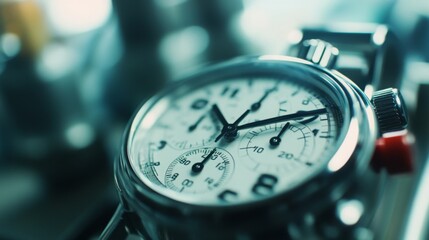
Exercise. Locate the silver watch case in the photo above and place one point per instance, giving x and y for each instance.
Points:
(297, 213)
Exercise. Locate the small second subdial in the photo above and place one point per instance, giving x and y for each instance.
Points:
(199, 170)
(277, 147)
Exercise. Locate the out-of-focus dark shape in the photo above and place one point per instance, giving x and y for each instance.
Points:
(160, 39)
(49, 129)
(417, 217)
(51, 147)
(420, 37)
(139, 72)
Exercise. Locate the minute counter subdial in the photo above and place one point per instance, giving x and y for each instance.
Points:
(186, 174)
(264, 151)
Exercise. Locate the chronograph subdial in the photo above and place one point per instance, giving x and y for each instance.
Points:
(186, 175)
(292, 149)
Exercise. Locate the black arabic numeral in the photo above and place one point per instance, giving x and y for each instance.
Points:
(174, 176)
(231, 92)
(184, 161)
(285, 155)
(227, 195)
(162, 144)
(209, 180)
(199, 104)
(187, 183)
(257, 149)
(213, 156)
(152, 164)
(265, 184)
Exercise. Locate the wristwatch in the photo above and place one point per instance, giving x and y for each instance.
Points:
(266, 147)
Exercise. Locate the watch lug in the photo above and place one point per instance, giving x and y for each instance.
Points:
(319, 52)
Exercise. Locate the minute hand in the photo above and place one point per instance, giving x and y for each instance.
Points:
(299, 114)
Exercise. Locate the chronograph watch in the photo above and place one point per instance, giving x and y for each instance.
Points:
(255, 148)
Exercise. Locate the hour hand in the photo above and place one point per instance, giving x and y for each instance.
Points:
(219, 115)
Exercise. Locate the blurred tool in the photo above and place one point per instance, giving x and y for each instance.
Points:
(160, 40)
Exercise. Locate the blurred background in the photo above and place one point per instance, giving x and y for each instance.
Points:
(72, 72)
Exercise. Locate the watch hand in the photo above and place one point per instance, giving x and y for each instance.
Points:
(198, 167)
(241, 117)
(299, 114)
(275, 141)
(255, 106)
(195, 125)
(219, 114)
(230, 130)
(309, 120)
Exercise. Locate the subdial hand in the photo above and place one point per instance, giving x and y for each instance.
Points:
(195, 125)
(255, 106)
(198, 167)
(275, 141)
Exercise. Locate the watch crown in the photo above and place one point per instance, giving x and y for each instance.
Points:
(390, 110)
(319, 52)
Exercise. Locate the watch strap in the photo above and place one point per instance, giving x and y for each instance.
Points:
(116, 228)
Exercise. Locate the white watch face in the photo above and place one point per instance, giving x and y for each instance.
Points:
(237, 139)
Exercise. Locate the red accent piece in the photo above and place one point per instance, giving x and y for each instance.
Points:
(393, 153)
